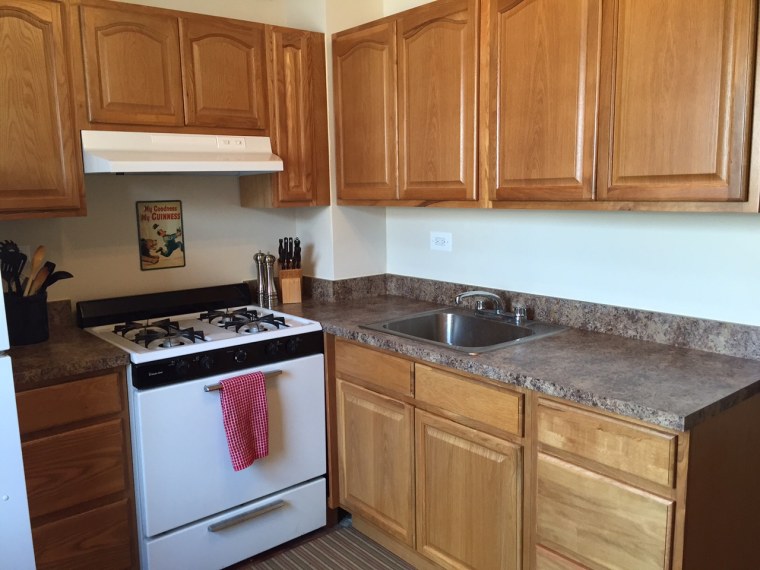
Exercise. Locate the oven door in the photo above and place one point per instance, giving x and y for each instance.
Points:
(182, 463)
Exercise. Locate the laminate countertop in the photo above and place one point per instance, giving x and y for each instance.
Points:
(69, 352)
(672, 387)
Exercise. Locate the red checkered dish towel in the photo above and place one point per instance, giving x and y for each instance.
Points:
(246, 418)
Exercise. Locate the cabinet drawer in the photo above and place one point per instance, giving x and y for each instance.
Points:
(74, 467)
(383, 370)
(601, 520)
(64, 404)
(630, 448)
(496, 407)
(100, 538)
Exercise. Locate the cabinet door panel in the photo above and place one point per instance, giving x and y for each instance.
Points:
(364, 67)
(437, 75)
(132, 67)
(612, 525)
(544, 67)
(225, 74)
(40, 162)
(677, 77)
(299, 117)
(375, 449)
(468, 496)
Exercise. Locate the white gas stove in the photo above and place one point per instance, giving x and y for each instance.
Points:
(193, 510)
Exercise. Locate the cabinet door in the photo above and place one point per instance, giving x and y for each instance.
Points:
(468, 496)
(299, 117)
(375, 455)
(132, 67)
(40, 160)
(364, 68)
(599, 521)
(225, 73)
(674, 118)
(540, 98)
(437, 82)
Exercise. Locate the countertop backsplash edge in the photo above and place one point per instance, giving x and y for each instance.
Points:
(730, 339)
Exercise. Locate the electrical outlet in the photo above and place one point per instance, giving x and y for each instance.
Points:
(440, 241)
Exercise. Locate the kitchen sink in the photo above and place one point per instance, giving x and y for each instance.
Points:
(464, 331)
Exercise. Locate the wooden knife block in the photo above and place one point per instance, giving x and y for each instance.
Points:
(290, 285)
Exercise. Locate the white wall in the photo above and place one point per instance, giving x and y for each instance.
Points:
(703, 265)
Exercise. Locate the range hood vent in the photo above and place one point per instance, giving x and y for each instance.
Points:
(120, 152)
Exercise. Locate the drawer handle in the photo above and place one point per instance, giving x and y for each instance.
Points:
(268, 375)
(242, 517)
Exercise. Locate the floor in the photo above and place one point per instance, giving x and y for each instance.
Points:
(339, 548)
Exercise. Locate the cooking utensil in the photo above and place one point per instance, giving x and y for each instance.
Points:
(54, 278)
(12, 263)
(39, 279)
(37, 260)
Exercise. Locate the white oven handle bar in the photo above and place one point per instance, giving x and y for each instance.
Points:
(242, 517)
(268, 375)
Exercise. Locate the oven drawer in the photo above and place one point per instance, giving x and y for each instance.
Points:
(276, 519)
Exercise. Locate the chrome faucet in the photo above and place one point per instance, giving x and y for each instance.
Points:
(520, 314)
(479, 303)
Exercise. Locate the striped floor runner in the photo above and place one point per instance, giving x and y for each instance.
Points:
(341, 549)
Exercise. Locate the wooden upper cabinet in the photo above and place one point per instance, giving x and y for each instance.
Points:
(364, 68)
(132, 67)
(40, 160)
(674, 118)
(437, 87)
(225, 73)
(299, 116)
(539, 98)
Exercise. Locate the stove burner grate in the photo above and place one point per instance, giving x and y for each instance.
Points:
(160, 334)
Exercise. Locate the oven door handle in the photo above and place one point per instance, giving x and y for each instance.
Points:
(268, 375)
(242, 517)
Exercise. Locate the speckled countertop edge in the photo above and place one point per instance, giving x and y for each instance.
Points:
(69, 353)
(667, 386)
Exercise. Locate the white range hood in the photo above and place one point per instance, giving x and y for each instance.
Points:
(126, 152)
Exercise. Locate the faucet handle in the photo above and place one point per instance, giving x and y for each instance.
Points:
(520, 312)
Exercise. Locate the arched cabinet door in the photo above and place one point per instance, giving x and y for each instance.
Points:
(364, 67)
(437, 88)
(40, 160)
(225, 73)
(132, 67)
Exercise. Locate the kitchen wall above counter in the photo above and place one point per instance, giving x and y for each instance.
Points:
(101, 250)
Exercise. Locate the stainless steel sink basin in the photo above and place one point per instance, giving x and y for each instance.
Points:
(464, 331)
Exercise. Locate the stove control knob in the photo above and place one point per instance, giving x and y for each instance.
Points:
(273, 348)
(207, 362)
(240, 356)
(182, 367)
(293, 344)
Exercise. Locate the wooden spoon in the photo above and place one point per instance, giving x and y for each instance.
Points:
(37, 260)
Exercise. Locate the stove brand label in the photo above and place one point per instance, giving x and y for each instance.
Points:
(156, 373)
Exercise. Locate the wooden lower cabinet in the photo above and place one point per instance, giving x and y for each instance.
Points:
(468, 496)
(375, 448)
(449, 492)
(75, 443)
(470, 474)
